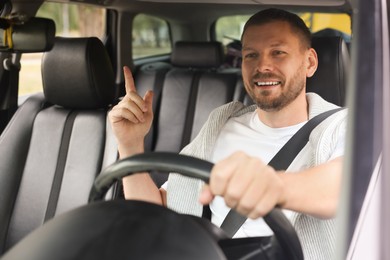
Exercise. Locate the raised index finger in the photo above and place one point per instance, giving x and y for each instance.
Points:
(129, 80)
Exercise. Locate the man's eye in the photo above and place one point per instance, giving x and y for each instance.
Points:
(278, 52)
(250, 55)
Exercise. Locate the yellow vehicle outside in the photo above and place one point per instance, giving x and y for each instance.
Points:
(319, 21)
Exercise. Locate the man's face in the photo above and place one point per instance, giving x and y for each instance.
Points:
(275, 65)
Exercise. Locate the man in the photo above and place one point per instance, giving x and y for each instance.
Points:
(277, 59)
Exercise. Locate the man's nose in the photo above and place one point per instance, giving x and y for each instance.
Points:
(264, 64)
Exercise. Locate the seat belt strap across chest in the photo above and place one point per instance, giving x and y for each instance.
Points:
(280, 161)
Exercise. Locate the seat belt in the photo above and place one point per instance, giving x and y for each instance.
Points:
(280, 161)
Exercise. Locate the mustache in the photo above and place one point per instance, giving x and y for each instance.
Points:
(267, 75)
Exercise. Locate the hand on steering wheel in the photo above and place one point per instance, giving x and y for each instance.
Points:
(195, 168)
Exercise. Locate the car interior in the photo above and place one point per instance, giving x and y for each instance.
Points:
(56, 142)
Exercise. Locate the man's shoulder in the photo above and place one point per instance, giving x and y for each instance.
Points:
(318, 105)
(328, 136)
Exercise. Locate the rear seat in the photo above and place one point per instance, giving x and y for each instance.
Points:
(151, 77)
(186, 91)
(190, 92)
(192, 88)
(195, 85)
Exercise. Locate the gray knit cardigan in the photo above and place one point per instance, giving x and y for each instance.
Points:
(317, 236)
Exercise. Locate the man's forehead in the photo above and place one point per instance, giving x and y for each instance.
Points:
(269, 26)
(274, 34)
(277, 43)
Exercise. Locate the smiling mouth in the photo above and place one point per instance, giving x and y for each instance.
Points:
(267, 83)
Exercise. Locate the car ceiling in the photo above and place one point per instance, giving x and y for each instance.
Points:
(180, 9)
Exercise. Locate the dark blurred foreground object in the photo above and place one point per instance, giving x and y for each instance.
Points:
(118, 230)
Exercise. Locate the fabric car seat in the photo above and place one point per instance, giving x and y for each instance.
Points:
(193, 87)
(57, 142)
(151, 76)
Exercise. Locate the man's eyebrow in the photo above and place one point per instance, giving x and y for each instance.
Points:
(245, 48)
(278, 44)
(273, 45)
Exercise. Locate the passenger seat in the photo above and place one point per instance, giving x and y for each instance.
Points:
(56, 143)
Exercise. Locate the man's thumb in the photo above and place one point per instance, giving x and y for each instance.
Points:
(149, 100)
(206, 196)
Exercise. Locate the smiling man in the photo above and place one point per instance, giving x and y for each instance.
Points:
(277, 59)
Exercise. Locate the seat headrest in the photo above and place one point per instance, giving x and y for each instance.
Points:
(77, 73)
(330, 79)
(197, 54)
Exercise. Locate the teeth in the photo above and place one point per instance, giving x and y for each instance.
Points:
(268, 83)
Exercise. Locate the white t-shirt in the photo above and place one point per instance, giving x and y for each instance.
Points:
(325, 142)
(248, 134)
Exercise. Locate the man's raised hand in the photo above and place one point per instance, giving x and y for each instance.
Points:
(131, 118)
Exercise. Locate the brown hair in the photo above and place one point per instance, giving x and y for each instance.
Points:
(273, 14)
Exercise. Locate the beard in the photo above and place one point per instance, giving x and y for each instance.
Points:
(265, 100)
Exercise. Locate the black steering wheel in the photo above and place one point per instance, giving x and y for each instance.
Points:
(196, 168)
(123, 229)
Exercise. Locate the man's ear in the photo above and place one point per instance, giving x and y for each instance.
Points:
(312, 63)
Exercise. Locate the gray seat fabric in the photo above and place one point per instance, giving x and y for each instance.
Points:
(191, 89)
(186, 91)
(151, 76)
(56, 143)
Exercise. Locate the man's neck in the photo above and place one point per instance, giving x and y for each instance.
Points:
(294, 113)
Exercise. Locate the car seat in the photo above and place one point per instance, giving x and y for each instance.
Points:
(57, 141)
